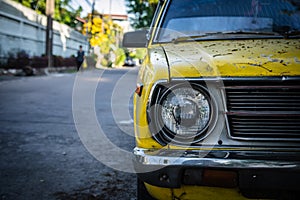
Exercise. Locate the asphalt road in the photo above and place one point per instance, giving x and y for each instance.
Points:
(46, 151)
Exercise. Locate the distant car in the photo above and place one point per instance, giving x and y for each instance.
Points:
(129, 61)
(217, 106)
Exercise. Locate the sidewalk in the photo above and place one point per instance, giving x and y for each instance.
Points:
(14, 74)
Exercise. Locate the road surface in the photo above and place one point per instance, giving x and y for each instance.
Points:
(43, 154)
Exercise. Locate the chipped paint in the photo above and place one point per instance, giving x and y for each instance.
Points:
(265, 57)
(213, 58)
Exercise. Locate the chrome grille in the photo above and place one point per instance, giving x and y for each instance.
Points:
(256, 111)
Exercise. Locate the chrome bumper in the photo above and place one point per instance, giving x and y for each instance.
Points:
(165, 167)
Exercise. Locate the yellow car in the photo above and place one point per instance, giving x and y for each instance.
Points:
(217, 105)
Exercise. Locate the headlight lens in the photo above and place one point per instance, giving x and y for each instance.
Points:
(185, 114)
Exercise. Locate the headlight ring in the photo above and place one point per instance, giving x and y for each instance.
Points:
(183, 114)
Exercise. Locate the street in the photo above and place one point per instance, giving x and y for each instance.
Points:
(46, 151)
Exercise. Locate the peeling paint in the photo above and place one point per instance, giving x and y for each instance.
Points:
(225, 54)
(235, 58)
(256, 65)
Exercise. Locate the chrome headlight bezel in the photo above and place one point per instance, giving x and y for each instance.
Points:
(162, 132)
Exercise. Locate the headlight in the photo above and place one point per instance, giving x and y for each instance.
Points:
(183, 114)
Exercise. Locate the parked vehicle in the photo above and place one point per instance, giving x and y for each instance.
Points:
(217, 106)
(129, 62)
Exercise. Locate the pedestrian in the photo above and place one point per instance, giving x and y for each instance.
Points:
(80, 57)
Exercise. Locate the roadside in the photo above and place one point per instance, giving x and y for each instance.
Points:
(19, 68)
(14, 74)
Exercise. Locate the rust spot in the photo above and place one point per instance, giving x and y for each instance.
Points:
(282, 52)
(209, 69)
(257, 65)
(225, 54)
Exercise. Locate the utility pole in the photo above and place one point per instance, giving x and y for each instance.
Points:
(50, 6)
(92, 23)
(93, 12)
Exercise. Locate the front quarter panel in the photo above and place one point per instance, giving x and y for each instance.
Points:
(154, 68)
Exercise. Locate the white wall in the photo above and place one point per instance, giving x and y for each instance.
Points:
(23, 29)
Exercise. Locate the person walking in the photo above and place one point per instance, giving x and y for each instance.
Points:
(80, 57)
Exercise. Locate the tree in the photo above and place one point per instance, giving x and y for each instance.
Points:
(142, 11)
(106, 34)
(62, 13)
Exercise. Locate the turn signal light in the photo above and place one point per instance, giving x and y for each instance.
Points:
(139, 89)
(219, 178)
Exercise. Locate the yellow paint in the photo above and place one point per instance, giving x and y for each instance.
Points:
(264, 57)
(226, 58)
(212, 59)
(195, 193)
(154, 69)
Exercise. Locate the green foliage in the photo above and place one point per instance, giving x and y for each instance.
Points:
(106, 34)
(120, 57)
(142, 12)
(139, 53)
(61, 14)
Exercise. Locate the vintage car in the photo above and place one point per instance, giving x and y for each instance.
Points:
(217, 104)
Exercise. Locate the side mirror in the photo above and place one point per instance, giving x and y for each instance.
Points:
(136, 39)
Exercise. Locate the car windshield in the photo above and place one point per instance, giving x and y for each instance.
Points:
(216, 19)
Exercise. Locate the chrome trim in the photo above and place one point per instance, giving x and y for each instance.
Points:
(213, 118)
(167, 60)
(161, 17)
(153, 88)
(219, 80)
(241, 78)
(165, 157)
(154, 19)
(263, 139)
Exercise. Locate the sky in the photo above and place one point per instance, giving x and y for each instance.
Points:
(102, 6)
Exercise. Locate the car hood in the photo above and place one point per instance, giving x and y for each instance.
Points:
(267, 57)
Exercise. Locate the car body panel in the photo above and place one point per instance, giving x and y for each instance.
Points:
(233, 58)
(154, 68)
(269, 60)
(192, 192)
(203, 59)
(270, 57)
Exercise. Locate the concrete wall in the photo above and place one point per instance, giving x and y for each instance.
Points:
(23, 29)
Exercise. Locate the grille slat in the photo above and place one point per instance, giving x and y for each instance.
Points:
(263, 112)
(264, 131)
(268, 127)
